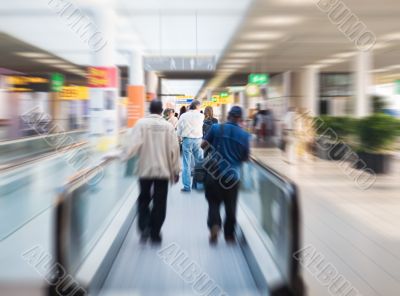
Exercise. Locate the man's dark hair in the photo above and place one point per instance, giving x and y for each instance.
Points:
(194, 104)
(156, 107)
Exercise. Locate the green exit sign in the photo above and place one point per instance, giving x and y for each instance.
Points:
(258, 79)
(57, 82)
(224, 94)
(397, 87)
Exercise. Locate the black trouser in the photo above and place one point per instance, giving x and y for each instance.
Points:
(217, 194)
(156, 190)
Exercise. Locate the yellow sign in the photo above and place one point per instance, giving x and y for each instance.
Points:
(74, 93)
(183, 97)
(24, 80)
(225, 100)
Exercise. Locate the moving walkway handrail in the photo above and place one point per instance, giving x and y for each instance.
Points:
(19, 163)
(294, 279)
(64, 238)
(38, 137)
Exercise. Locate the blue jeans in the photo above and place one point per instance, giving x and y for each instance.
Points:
(190, 149)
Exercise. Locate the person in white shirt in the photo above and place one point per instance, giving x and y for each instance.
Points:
(155, 142)
(190, 131)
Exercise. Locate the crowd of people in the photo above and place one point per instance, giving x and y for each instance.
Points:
(212, 154)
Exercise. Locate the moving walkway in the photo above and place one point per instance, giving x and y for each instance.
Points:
(97, 248)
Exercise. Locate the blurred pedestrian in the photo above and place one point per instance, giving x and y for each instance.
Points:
(182, 111)
(229, 146)
(171, 118)
(190, 131)
(209, 120)
(155, 143)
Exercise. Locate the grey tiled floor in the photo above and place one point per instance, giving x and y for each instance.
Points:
(357, 231)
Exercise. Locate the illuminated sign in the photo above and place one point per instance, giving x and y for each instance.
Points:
(102, 77)
(57, 82)
(253, 90)
(27, 84)
(74, 93)
(258, 79)
(224, 94)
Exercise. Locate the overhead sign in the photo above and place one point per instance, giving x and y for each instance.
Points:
(74, 93)
(184, 102)
(22, 83)
(102, 77)
(253, 90)
(57, 82)
(224, 94)
(162, 63)
(258, 79)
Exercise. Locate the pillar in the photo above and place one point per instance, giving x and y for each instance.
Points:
(362, 83)
(310, 90)
(103, 105)
(136, 89)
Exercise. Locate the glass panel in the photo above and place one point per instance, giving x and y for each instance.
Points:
(19, 149)
(29, 190)
(93, 206)
(268, 200)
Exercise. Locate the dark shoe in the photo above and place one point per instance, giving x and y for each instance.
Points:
(144, 236)
(214, 234)
(156, 239)
(230, 239)
(184, 190)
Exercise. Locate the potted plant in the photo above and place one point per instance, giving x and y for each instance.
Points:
(333, 135)
(377, 135)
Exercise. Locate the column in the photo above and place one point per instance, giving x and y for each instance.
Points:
(151, 85)
(310, 90)
(362, 83)
(103, 79)
(136, 89)
(244, 102)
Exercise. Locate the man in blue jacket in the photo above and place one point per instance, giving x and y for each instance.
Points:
(228, 146)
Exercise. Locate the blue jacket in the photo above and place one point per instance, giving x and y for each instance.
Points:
(232, 143)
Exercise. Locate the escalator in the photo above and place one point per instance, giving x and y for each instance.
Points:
(97, 243)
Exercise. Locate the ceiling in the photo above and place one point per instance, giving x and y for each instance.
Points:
(19, 56)
(242, 35)
(287, 35)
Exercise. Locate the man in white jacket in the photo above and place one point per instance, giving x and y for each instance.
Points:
(155, 143)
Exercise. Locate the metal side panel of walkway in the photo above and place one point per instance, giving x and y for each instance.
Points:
(139, 269)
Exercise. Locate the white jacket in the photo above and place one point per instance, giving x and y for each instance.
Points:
(155, 143)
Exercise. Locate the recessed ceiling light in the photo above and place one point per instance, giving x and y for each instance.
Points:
(295, 2)
(33, 55)
(316, 66)
(48, 61)
(394, 67)
(252, 46)
(391, 36)
(233, 66)
(236, 61)
(380, 45)
(262, 35)
(379, 70)
(245, 54)
(283, 20)
(344, 55)
(330, 61)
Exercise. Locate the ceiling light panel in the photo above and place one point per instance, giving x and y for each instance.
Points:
(262, 35)
(277, 21)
